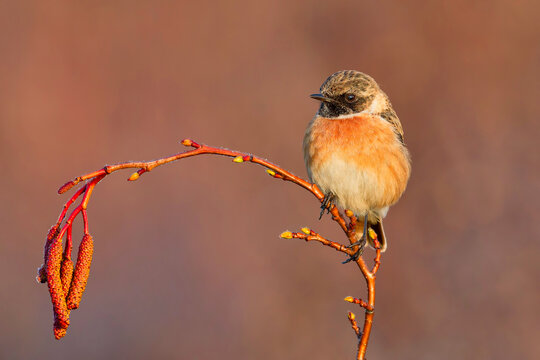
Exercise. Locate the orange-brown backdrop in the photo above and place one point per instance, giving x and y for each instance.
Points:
(188, 263)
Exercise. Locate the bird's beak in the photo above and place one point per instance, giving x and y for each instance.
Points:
(321, 97)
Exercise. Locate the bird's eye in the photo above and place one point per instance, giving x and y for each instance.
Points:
(350, 98)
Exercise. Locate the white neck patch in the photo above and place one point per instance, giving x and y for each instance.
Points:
(346, 116)
(377, 105)
(350, 116)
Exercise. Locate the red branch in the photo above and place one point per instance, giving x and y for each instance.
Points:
(69, 242)
(354, 325)
(93, 178)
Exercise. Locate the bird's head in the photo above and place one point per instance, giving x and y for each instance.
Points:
(350, 92)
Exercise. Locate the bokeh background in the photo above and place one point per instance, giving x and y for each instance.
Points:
(188, 263)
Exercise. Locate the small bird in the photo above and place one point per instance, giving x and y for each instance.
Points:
(355, 153)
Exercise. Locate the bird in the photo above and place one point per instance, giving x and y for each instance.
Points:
(354, 151)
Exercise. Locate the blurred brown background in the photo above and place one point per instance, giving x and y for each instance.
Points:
(188, 263)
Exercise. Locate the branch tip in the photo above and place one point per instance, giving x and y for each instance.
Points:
(186, 142)
(369, 308)
(270, 172)
(354, 325)
(306, 230)
(67, 186)
(189, 142)
(134, 176)
(238, 159)
(286, 235)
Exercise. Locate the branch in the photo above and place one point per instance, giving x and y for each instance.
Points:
(310, 235)
(61, 289)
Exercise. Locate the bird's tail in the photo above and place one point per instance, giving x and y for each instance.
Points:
(379, 230)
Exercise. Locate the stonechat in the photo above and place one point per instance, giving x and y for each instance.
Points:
(355, 153)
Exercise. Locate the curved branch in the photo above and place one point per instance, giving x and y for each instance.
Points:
(199, 149)
(349, 228)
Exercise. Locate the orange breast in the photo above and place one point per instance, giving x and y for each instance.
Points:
(359, 159)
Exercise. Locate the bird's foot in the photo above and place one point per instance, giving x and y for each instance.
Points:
(327, 203)
(361, 243)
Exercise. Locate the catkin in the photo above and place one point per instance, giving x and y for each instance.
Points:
(66, 274)
(59, 332)
(82, 270)
(55, 284)
(42, 271)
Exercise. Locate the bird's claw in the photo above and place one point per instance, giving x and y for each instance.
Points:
(326, 204)
(361, 243)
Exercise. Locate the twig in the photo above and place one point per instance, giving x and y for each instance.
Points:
(354, 325)
(310, 235)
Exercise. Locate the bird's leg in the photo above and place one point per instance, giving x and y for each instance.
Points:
(361, 243)
(326, 204)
